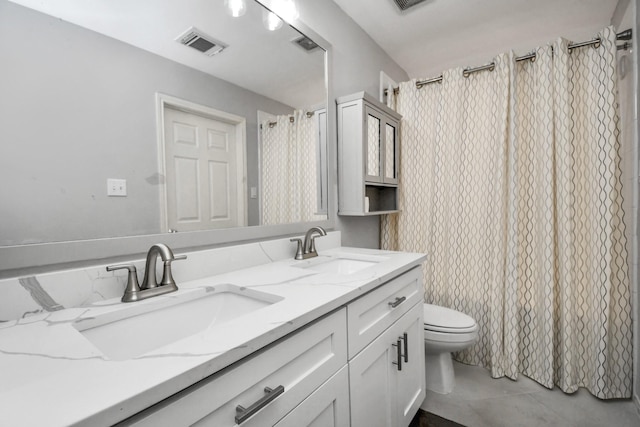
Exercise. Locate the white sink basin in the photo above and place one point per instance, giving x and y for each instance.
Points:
(341, 265)
(140, 328)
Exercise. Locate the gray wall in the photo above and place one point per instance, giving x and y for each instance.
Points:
(357, 62)
(77, 108)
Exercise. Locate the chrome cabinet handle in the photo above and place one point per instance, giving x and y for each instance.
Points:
(242, 413)
(397, 302)
(405, 339)
(399, 349)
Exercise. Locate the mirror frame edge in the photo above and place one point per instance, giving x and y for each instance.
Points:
(25, 259)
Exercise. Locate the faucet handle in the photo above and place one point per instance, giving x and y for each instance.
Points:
(299, 253)
(312, 245)
(167, 276)
(132, 279)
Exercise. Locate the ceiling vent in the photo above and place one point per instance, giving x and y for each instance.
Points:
(201, 42)
(406, 4)
(305, 43)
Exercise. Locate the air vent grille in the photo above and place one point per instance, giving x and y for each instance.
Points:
(201, 42)
(306, 43)
(406, 4)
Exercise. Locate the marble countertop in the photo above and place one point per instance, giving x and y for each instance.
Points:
(50, 374)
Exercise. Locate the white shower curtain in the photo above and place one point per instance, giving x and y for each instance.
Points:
(510, 181)
(289, 169)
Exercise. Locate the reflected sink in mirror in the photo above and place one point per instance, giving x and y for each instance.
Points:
(140, 328)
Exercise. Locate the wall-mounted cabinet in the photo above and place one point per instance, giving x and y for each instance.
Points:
(368, 156)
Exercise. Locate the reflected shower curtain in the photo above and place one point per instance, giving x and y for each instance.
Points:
(289, 171)
(511, 183)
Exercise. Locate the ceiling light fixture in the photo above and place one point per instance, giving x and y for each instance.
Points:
(235, 8)
(271, 21)
(287, 10)
(283, 10)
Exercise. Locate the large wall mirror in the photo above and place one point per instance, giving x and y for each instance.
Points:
(138, 118)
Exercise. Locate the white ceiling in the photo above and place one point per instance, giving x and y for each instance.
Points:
(265, 62)
(443, 34)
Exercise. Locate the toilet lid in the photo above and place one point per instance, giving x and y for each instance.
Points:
(442, 319)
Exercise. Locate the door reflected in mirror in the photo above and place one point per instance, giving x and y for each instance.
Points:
(83, 108)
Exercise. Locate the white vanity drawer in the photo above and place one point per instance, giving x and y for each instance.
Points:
(371, 314)
(300, 363)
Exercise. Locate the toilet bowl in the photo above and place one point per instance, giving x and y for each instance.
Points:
(445, 331)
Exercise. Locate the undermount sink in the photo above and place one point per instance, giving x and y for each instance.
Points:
(341, 265)
(136, 330)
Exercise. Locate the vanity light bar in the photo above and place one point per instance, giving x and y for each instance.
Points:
(201, 42)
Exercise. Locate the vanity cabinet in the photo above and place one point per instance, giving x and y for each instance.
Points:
(300, 364)
(362, 365)
(387, 377)
(368, 156)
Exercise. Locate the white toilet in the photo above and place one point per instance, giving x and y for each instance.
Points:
(445, 331)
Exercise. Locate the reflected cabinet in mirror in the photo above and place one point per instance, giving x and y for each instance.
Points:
(124, 118)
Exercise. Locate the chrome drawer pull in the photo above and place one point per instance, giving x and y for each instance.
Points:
(242, 413)
(397, 302)
(399, 348)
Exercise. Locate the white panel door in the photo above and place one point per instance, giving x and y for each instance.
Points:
(201, 172)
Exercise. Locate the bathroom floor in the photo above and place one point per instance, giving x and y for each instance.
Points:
(481, 401)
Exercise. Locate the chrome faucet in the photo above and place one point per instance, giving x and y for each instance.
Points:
(150, 286)
(308, 248)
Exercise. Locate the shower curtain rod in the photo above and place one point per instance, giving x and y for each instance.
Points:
(624, 35)
(309, 114)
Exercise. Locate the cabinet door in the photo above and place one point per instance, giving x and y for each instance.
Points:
(410, 381)
(391, 150)
(387, 378)
(371, 384)
(381, 147)
(326, 407)
(373, 140)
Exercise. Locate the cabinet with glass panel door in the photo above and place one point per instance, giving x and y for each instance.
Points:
(368, 156)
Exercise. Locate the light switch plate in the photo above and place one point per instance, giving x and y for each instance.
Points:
(116, 187)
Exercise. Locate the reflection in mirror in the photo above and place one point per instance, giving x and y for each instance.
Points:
(293, 188)
(132, 91)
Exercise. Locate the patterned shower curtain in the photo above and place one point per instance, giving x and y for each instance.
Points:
(511, 183)
(289, 171)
